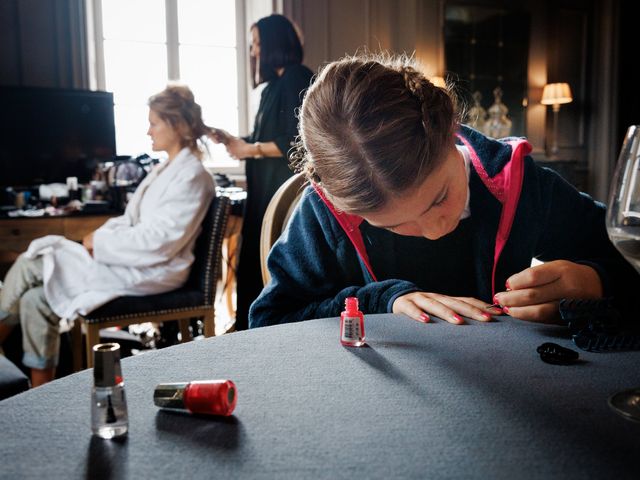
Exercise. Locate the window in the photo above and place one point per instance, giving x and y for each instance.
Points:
(140, 45)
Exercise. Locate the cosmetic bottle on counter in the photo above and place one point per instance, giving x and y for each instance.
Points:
(352, 324)
(208, 397)
(109, 418)
(72, 186)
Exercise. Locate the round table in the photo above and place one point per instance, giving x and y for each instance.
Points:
(420, 401)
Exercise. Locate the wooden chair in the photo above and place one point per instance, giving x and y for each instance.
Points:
(277, 216)
(196, 299)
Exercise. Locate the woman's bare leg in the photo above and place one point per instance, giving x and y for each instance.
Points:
(5, 331)
(42, 376)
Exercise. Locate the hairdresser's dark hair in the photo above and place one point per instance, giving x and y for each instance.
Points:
(280, 46)
(371, 128)
(176, 105)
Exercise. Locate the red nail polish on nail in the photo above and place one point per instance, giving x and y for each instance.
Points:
(486, 315)
(495, 300)
(424, 317)
(506, 284)
(458, 318)
(505, 310)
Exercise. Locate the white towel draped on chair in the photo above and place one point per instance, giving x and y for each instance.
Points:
(147, 250)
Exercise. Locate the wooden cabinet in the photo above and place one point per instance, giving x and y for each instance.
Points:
(17, 233)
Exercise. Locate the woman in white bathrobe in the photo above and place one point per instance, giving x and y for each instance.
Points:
(147, 250)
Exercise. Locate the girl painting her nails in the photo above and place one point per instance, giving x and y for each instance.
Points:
(414, 213)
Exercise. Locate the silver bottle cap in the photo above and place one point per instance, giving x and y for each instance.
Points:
(170, 395)
(106, 360)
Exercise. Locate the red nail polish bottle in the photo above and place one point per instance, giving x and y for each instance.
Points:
(352, 324)
(210, 397)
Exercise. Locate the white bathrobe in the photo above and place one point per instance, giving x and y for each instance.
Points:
(147, 250)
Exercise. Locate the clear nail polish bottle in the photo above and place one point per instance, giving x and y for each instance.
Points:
(109, 416)
(352, 324)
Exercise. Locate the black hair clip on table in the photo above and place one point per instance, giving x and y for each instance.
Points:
(596, 326)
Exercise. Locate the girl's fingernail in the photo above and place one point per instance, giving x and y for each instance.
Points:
(505, 310)
(508, 287)
(495, 299)
(457, 317)
(486, 315)
(424, 317)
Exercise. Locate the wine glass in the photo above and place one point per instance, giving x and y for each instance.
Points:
(623, 227)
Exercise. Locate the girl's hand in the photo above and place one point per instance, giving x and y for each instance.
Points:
(420, 305)
(535, 293)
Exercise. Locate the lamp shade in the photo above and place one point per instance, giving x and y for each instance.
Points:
(556, 93)
(438, 82)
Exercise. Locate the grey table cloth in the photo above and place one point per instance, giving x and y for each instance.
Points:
(421, 401)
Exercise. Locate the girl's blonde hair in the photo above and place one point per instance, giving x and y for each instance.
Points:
(372, 127)
(176, 105)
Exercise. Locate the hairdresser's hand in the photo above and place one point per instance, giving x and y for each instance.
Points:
(535, 293)
(421, 305)
(239, 149)
(219, 136)
(87, 242)
(236, 147)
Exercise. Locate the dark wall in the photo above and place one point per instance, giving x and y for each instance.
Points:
(629, 91)
(42, 43)
(570, 36)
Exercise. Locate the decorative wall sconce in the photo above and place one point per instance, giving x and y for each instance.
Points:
(556, 94)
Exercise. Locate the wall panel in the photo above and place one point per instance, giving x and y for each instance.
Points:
(42, 43)
(10, 70)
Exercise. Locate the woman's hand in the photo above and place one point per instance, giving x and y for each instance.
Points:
(236, 147)
(87, 242)
(420, 305)
(239, 149)
(217, 135)
(535, 293)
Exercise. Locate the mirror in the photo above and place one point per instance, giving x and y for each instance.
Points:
(486, 57)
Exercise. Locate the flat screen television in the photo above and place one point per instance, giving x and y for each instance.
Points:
(49, 134)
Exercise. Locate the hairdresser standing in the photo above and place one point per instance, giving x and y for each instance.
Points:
(276, 59)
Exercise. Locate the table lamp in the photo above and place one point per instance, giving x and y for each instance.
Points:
(438, 81)
(556, 94)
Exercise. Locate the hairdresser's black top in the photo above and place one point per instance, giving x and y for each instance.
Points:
(314, 266)
(275, 122)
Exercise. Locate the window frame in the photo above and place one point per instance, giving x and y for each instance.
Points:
(97, 74)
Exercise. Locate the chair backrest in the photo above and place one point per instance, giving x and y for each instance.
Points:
(277, 216)
(208, 249)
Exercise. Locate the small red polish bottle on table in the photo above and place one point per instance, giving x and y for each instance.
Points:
(208, 397)
(352, 324)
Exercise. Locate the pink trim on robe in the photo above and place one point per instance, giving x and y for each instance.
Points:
(349, 224)
(506, 187)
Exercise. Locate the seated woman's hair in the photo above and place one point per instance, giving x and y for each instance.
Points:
(372, 127)
(176, 105)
